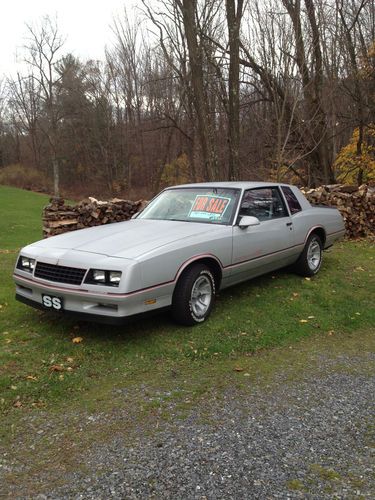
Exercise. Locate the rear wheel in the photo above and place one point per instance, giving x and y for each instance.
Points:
(194, 295)
(310, 259)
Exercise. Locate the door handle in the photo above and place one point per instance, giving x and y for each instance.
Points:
(289, 223)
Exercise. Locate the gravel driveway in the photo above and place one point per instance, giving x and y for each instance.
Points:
(308, 438)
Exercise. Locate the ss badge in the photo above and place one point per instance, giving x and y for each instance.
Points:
(52, 302)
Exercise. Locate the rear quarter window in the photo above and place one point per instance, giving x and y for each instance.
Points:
(291, 199)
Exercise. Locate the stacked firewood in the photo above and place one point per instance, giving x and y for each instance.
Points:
(59, 218)
(356, 204)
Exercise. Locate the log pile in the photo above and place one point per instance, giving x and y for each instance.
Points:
(59, 218)
(356, 204)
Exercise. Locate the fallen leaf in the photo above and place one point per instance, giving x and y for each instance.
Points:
(17, 404)
(77, 340)
(308, 279)
(358, 314)
(61, 377)
(359, 268)
(246, 374)
(303, 321)
(38, 404)
(295, 294)
(69, 359)
(56, 368)
(31, 377)
(13, 387)
(238, 369)
(310, 317)
(69, 369)
(331, 332)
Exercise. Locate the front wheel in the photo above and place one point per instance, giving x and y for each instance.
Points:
(194, 295)
(310, 259)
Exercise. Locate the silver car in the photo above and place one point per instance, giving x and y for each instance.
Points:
(189, 242)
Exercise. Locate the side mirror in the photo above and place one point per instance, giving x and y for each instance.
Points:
(134, 216)
(248, 220)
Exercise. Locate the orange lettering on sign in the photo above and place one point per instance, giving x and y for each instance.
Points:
(210, 204)
(200, 203)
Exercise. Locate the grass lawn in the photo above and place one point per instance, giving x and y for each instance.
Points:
(41, 368)
(20, 217)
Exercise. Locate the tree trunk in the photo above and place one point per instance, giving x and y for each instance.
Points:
(56, 177)
(234, 22)
(312, 79)
(201, 105)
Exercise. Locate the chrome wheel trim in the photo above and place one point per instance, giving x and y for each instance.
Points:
(314, 255)
(201, 296)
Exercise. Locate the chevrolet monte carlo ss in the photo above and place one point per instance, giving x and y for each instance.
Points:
(189, 242)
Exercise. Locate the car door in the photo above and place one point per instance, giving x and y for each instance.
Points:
(267, 246)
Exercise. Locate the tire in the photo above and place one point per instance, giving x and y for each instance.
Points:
(310, 260)
(194, 295)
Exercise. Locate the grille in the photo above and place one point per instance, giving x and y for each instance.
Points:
(60, 274)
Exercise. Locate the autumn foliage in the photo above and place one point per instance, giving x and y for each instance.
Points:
(353, 168)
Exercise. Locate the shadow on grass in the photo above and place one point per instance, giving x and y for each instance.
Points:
(146, 325)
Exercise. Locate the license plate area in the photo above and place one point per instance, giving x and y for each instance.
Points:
(52, 302)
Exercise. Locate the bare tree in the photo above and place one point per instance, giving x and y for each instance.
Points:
(194, 42)
(351, 28)
(24, 99)
(234, 16)
(43, 48)
(216, 89)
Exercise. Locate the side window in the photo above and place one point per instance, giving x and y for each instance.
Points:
(291, 199)
(263, 203)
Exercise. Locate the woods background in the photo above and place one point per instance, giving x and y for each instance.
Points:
(196, 90)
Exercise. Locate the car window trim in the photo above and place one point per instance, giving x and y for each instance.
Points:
(265, 187)
(286, 201)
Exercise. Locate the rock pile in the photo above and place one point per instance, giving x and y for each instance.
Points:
(59, 218)
(356, 204)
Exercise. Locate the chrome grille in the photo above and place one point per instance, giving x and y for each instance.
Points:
(59, 274)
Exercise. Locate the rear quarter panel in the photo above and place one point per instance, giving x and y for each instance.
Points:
(329, 219)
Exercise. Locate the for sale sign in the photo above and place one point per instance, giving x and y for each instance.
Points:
(209, 207)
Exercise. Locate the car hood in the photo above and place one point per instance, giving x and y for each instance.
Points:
(130, 240)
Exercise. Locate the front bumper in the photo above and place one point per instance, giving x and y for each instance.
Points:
(109, 308)
(81, 316)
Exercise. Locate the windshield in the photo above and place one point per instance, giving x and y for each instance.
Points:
(209, 205)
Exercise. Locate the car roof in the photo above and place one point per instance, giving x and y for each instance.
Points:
(229, 184)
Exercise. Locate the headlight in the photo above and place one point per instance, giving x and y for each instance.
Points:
(26, 264)
(103, 277)
(98, 275)
(114, 277)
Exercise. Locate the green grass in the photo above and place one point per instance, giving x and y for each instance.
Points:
(258, 315)
(20, 217)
